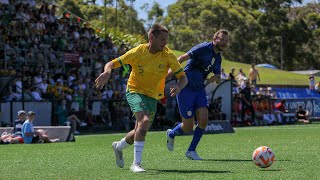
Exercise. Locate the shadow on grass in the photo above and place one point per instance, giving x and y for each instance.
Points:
(228, 160)
(271, 170)
(234, 160)
(188, 171)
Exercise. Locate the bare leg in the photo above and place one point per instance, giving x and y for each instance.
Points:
(142, 126)
(143, 123)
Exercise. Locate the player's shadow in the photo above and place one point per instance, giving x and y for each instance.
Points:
(238, 160)
(228, 160)
(189, 171)
(271, 170)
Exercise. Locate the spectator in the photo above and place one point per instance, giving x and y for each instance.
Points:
(10, 139)
(223, 75)
(236, 110)
(317, 87)
(311, 82)
(28, 133)
(36, 94)
(43, 137)
(247, 103)
(19, 122)
(215, 109)
(273, 110)
(241, 75)
(258, 108)
(68, 118)
(270, 93)
(268, 117)
(302, 115)
(281, 106)
(232, 75)
(253, 75)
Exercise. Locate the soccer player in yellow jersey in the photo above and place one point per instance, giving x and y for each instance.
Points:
(150, 64)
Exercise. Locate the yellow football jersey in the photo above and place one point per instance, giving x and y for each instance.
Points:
(149, 70)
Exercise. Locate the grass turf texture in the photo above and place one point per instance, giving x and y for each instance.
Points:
(227, 156)
(268, 76)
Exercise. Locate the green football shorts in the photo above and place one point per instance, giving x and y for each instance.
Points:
(139, 102)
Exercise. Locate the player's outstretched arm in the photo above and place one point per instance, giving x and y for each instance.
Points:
(183, 58)
(103, 78)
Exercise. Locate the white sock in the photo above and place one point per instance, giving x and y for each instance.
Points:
(138, 148)
(122, 144)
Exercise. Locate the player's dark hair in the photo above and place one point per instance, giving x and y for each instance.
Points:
(156, 29)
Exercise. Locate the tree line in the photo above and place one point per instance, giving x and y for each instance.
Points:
(262, 31)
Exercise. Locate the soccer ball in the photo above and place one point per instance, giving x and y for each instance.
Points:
(263, 157)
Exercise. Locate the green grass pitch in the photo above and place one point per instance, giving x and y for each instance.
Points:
(227, 156)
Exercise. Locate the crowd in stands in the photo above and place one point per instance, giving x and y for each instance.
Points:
(58, 59)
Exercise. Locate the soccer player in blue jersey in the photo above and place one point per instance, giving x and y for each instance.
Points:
(202, 59)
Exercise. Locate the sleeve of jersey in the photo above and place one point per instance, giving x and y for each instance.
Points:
(195, 51)
(127, 58)
(176, 66)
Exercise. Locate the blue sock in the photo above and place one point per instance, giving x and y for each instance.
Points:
(176, 131)
(198, 132)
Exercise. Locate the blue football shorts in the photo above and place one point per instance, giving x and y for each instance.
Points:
(189, 100)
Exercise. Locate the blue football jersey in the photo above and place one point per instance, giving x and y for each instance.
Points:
(204, 60)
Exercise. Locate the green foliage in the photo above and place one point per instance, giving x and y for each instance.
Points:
(118, 15)
(256, 28)
(227, 156)
(73, 6)
(118, 38)
(92, 12)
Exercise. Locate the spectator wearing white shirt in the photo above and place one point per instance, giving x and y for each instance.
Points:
(223, 75)
(18, 84)
(44, 86)
(40, 26)
(37, 80)
(35, 92)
